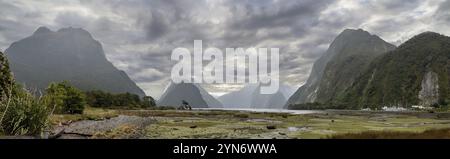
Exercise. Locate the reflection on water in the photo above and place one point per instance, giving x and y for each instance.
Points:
(266, 110)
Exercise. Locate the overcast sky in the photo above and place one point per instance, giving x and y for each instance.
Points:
(139, 35)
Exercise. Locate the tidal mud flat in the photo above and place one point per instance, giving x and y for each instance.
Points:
(229, 124)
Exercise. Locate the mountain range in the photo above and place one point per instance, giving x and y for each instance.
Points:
(416, 73)
(347, 56)
(360, 70)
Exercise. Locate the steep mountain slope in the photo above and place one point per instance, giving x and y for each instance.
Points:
(347, 57)
(417, 73)
(69, 54)
(287, 91)
(209, 99)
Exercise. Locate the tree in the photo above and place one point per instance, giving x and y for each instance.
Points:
(99, 98)
(75, 101)
(64, 98)
(148, 101)
(103, 99)
(54, 97)
(6, 78)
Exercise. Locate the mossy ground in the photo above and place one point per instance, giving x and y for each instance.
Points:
(174, 124)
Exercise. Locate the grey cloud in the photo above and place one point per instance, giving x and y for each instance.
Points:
(73, 19)
(139, 35)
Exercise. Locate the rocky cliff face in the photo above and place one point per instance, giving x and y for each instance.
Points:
(429, 93)
(68, 54)
(346, 58)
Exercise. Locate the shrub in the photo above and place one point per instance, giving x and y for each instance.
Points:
(23, 114)
(64, 98)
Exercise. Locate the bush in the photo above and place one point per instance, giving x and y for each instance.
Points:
(23, 114)
(65, 99)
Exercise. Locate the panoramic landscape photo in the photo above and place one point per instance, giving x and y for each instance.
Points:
(225, 69)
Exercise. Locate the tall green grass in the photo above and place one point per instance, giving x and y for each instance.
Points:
(21, 113)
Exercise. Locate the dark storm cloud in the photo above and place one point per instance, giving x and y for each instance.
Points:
(139, 35)
(290, 13)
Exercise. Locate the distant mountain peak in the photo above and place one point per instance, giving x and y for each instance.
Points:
(194, 94)
(426, 35)
(42, 30)
(72, 30)
(356, 32)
